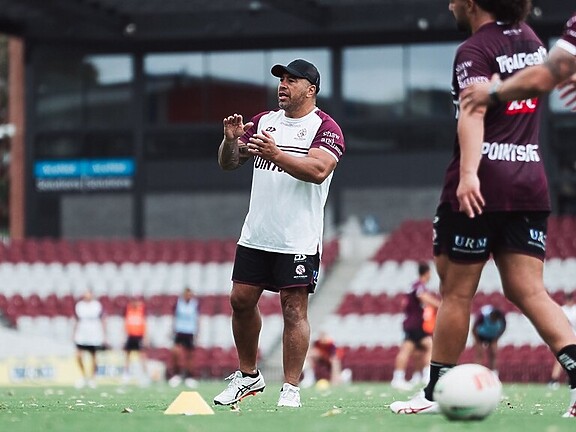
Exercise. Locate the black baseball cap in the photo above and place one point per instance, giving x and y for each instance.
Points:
(301, 69)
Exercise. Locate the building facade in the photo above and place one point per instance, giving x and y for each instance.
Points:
(120, 133)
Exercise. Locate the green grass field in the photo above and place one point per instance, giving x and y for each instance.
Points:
(355, 408)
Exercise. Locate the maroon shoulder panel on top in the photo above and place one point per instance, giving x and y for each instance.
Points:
(329, 136)
(569, 34)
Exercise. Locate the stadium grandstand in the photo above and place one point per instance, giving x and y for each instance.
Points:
(108, 163)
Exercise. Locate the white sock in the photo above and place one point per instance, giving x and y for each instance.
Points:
(417, 376)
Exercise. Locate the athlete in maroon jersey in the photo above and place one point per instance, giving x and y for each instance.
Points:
(495, 200)
(417, 337)
(558, 70)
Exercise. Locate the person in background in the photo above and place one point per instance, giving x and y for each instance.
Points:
(417, 331)
(489, 325)
(294, 151)
(89, 336)
(421, 357)
(569, 308)
(135, 327)
(323, 362)
(558, 70)
(186, 325)
(495, 201)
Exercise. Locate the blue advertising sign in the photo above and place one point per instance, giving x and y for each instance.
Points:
(84, 174)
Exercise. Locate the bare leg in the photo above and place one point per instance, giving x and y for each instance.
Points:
(406, 350)
(127, 363)
(556, 371)
(189, 353)
(336, 372)
(94, 364)
(458, 284)
(80, 361)
(522, 279)
(422, 355)
(492, 352)
(143, 361)
(246, 324)
(177, 359)
(296, 336)
(479, 351)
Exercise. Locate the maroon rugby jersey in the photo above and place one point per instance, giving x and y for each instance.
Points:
(511, 171)
(414, 310)
(568, 39)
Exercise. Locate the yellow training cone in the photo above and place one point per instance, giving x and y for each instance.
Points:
(189, 403)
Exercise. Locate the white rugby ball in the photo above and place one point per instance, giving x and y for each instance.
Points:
(468, 392)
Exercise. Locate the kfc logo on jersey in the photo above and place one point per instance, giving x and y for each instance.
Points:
(527, 106)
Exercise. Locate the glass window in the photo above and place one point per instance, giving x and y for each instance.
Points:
(236, 83)
(200, 89)
(59, 145)
(193, 143)
(428, 79)
(373, 82)
(108, 144)
(59, 92)
(204, 87)
(65, 145)
(75, 91)
(108, 83)
(174, 88)
(197, 88)
(386, 88)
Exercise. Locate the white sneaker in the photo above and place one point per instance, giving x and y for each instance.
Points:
(289, 396)
(190, 382)
(80, 383)
(401, 385)
(144, 381)
(240, 387)
(417, 405)
(175, 381)
(572, 408)
(92, 384)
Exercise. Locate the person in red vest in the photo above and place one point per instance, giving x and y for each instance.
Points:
(135, 326)
(324, 362)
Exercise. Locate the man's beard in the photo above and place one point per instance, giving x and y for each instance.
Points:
(463, 26)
